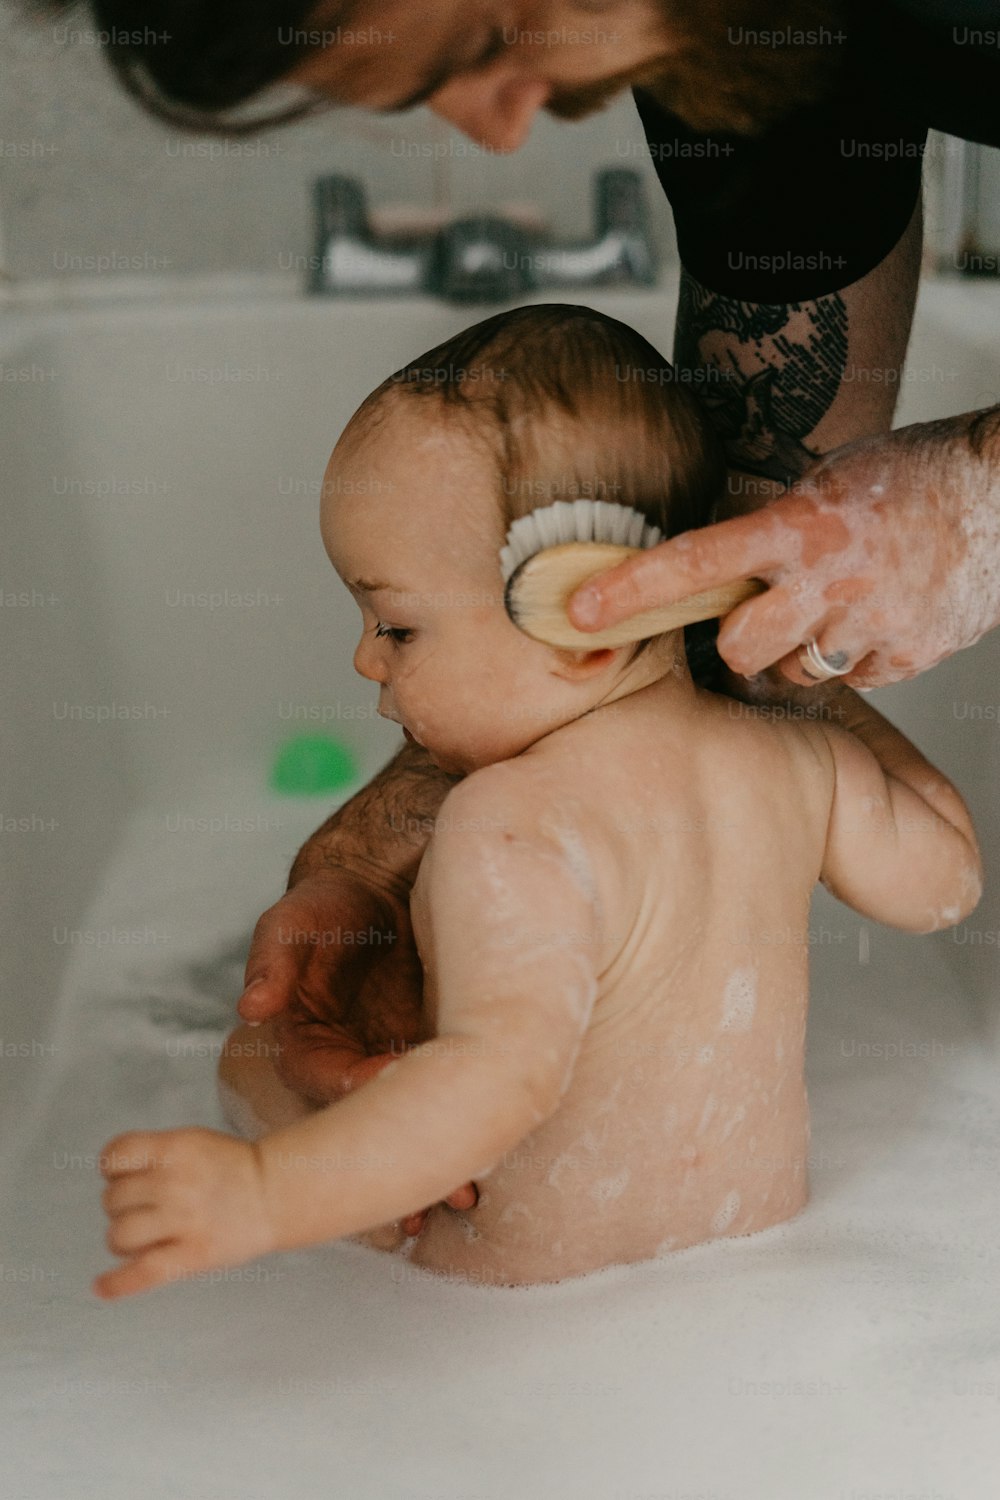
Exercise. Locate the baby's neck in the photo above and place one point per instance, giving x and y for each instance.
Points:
(663, 662)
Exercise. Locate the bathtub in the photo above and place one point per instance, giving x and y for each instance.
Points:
(170, 620)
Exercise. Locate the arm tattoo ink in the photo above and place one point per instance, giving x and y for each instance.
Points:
(777, 370)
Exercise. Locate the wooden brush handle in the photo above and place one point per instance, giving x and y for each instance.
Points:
(540, 590)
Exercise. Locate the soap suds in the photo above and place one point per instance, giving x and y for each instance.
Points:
(726, 1212)
(706, 1114)
(738, 1116)
(740, 1000)
(575, 851)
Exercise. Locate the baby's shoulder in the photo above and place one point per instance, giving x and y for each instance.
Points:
(508, 842)
(508, 795)
(527, 809)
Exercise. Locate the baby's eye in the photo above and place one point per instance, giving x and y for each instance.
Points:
(394, 632)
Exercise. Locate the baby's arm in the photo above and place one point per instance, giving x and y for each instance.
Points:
(512, 947)
(901, 847)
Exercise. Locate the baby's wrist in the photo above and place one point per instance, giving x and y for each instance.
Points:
(269, 1209)
(295, 1215)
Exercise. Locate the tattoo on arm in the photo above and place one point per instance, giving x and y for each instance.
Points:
(777, 370)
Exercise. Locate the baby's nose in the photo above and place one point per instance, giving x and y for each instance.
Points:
(368, 663)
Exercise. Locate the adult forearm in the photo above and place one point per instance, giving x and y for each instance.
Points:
(787, 383)
(954, 465)
(383, 829)
(444, 1113)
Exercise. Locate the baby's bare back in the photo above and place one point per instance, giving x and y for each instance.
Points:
(686, 1117)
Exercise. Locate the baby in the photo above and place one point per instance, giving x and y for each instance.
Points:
(616, 1053)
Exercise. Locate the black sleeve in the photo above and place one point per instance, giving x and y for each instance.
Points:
(821, 198)
(803, 210)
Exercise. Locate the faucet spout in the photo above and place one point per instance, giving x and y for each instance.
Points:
(480, 258)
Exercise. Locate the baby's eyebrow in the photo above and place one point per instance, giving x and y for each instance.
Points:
(368, 586)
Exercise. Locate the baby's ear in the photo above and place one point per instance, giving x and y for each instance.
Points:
(577, 666)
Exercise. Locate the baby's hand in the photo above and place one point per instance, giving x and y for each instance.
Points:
(180, 1201)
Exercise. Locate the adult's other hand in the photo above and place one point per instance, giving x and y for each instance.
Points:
(334, 965)
(334, 968)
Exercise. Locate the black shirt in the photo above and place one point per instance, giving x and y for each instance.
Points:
(821, 198)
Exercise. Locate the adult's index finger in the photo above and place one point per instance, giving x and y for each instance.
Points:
(705, 558)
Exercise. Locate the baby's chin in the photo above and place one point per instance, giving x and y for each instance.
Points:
(461, 760)
(438, 758)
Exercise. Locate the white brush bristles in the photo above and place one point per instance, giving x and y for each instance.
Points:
(554, 550)
(575, 521)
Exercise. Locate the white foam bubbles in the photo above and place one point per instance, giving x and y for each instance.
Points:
(740, 1000)
(726, 1212)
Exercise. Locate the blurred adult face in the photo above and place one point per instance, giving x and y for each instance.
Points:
(489, 66)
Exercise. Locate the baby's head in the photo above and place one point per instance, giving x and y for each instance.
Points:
(540, 404)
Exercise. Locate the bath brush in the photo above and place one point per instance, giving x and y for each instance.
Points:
(552, 551)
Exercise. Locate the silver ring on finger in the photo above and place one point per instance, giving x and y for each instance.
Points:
(820, 667)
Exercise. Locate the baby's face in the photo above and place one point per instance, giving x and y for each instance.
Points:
(410, 508)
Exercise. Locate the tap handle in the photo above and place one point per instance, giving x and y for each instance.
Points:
(340, 208)
(481, 259)
(622, 217)
(619, 202)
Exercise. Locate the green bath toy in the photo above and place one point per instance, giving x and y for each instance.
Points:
(312, 764)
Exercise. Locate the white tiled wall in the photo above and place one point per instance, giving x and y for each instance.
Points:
(86, 177)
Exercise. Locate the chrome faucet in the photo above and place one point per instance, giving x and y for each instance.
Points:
(348, 258)
(482, 258)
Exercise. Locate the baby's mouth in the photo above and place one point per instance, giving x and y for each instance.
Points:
(407, 735)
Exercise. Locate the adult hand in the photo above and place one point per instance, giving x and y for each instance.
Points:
(333, 964)
(334, 967)
(871, 554)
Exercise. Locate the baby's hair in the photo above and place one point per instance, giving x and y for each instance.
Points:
(570, 404)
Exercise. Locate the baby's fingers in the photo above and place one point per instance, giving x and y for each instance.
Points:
(463, 1197)
(134, 1152)
(133, 1190)
(150, 1269)
(136, 1229)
